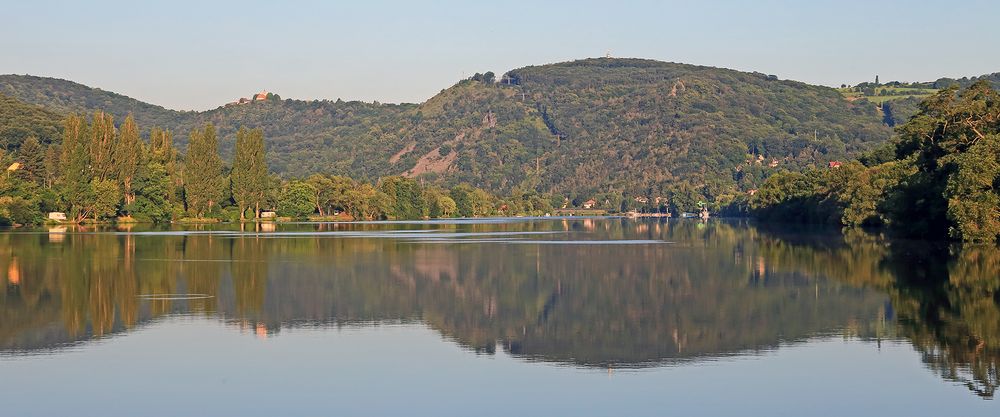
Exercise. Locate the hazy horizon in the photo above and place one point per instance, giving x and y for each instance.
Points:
(193, 56)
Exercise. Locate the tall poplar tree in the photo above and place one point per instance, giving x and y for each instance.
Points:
(52, 164)
(249, 173)
(161, 150)
(74, 141)
(128, 157)
(161, 146)
(203, 179)
(102, 144)
(75, 166)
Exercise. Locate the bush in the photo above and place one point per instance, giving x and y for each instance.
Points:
(296, 200)
(17, 210)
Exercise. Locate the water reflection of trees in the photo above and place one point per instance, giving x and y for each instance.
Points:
(722, 288)
(946, 299)
(949, 307)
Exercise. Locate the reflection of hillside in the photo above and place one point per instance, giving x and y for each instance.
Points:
(720, 289)
(588, 304)
(605, 305)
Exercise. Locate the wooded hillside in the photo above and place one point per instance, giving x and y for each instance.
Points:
(598, 127)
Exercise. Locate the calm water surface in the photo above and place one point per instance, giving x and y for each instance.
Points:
(494, 317)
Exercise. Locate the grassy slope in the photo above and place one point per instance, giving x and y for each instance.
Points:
(891, 94)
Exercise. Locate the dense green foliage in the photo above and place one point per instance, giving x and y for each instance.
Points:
(965, 82)
(67, 97)
(942, 178)
(296, 200)
(19, 121)
(645, 127)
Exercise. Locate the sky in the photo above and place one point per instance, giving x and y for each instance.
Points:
(197, 55)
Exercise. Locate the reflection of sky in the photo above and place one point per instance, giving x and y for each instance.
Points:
(195, 366)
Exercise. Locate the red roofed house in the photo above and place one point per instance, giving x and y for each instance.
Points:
(261, 96)
(834, 164)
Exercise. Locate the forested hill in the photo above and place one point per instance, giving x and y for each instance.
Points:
(19, 120)
(303, 136)
(993, 79)
(641, 122)
(69, 97)
(618, 126)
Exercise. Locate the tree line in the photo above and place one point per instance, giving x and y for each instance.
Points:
(101, 171)
(938, 178)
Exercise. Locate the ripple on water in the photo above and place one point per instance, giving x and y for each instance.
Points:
(173, 297)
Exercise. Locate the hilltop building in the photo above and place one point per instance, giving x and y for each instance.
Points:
(261, 96)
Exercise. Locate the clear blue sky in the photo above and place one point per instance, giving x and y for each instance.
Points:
(202, 54)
